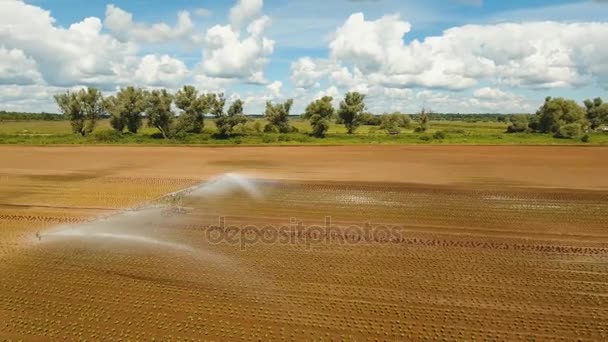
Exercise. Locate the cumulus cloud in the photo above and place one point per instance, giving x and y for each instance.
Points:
(236, 54)
(306, 72)
(275, 88)
(244, 12)
(161, 70)
(17, 68)
(120, 23)
(79, 54)
(536, 55)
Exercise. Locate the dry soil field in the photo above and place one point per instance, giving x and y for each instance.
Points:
(304, 243)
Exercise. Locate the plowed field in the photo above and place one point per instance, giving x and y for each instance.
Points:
(304, 243)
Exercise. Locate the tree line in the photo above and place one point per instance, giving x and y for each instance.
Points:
(127, 109)
(563, 118)
(184, 112)
(20, 116)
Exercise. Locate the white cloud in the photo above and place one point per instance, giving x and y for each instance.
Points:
(120, 23)
(244, 12)
(535, 55)
(80, 54)
(161, 70)
(275, 88)
(306, 72)
(228, 54)
(489, 93)
(371, 56)
(202, 12)
(369, 45)
(17, 68)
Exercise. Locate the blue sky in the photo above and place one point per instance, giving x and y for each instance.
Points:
(450, 55)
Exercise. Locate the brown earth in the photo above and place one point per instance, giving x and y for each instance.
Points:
(395, 243)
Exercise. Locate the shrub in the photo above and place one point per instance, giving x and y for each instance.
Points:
(519, 123)
(370, 119)
(569, 131)
(268, 139)
(107, 135)
(585, 138)
(257, 126)
(270, 129)
(426, 137)
(439, 135)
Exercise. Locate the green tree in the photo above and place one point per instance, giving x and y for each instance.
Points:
(126, 108)
(83, 108)
(319, 113)
(423, 121)
(226, 122)
(370, 119)
(519, 123)
(569, 131)
(278, 117)
(392, 123)
(597, 112)
(159, 113)
(351, 109)
(194, 108)
(557, 112)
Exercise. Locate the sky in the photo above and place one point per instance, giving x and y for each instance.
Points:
(455, 56)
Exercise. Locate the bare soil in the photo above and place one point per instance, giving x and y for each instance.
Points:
(357, 243)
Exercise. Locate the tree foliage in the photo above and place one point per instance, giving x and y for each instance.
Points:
(319, 113)
(518, 124)
(569, 131)
(194, 107)
(423, 121)
(597, 112)
(393, 123)
(278, 117)
(126, 109)
(83, 108)
(159, 113)
(370, 119)
(557, 112)
(226, 122)
(351, 109)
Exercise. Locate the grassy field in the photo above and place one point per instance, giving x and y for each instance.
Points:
(456, 132)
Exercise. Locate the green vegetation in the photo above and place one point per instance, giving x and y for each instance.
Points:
(351, 110)
(227, 122)
(83, 108)
(278, 117)
(320, 113)
(137, 116)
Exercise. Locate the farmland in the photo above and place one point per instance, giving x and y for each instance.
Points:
(423, 243)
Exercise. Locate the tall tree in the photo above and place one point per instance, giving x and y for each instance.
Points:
(557, 112)
(423, 121)
(126, 108)
(319, 113)
(159, 113)
(278, 117)
(597, 112)
(351, 109)
(83, 108)
(226, 122)
(194, 108)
